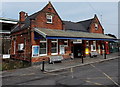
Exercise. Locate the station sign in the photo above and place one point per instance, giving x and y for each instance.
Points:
(78, 41)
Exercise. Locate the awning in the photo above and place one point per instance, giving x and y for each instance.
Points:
(62, 34)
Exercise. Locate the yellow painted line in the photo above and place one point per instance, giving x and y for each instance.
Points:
(94, 83)
(27, 74)
(105, 75)
(96, 78)
(50, 73)
(110, 78)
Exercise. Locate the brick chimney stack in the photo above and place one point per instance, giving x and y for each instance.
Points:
(23, 15)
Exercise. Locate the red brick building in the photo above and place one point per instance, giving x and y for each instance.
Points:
(44, 34)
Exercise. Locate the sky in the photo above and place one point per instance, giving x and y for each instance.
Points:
(107, 12)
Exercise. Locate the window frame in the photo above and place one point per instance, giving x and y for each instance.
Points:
(56, 47)
(92, 46)
(50, 17)
(45, 41)
(96, 26)
(66, 41)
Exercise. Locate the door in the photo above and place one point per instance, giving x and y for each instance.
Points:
(77, 50)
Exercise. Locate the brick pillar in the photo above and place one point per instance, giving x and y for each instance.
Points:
(49, 47)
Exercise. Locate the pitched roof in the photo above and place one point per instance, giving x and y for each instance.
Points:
(8, 20)
(78, 26)
(70, 34)
(26, 23)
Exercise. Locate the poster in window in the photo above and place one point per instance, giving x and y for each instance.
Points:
(35, 51)
(62, 49)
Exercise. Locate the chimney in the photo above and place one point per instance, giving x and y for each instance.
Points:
(23, 15)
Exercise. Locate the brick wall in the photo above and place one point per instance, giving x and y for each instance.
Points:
(92, 26)
(21, 37)
(41, 20)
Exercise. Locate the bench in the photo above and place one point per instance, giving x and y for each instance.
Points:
(93, 54)
(55, 58)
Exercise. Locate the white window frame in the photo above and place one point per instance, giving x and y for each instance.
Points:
(66, 41)
(94, 44)
(56, 47)
(87, 43)
(96, 26)
(48, 16)
(46, 48)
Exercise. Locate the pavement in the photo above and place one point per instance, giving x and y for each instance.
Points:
(66, 64)
(57, 66)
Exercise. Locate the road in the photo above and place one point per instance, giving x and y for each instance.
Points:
(103, 73)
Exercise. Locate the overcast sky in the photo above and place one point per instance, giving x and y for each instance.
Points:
(70, 11)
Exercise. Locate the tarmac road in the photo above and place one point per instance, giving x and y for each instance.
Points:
(103, 73)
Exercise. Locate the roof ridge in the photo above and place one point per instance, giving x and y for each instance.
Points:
(85, 20)
(3, 18)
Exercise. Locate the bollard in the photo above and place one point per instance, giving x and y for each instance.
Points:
(43, 64)
(82, 59)
(105, 55)
(72, 72)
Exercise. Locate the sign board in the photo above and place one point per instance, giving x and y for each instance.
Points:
(78, 41)
(6, 56)
(35, 51)
(62, 49)
(20, 46)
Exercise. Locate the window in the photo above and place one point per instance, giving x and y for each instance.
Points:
(49, 18)
(87, 43)
(66, 42)
(20, 47)
(54, 47)
(93, 47)
(96, 26)
(43, 47)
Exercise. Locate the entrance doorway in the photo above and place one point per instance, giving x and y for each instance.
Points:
(77, 50)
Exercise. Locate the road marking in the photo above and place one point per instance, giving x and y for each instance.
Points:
(71, 70)
(94, 83)
(51, 73)
(27, 74)
(97, 78)
(105, 75)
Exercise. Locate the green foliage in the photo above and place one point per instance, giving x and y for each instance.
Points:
(10, 64)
